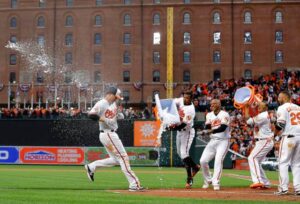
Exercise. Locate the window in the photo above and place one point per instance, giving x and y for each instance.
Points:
(126, 95)
(12, 77)
(156, 1)
(126, 57)
(126, 76)
(217, 37)
(278, 56)
(278, 17)
(247, 56)
(216, 1)
(248, 74)
(156, 19)
(68, 58)
(156, 76)
(217, 75)
(156, 57)
(42, 3)
(127, 38)
(99, 2)
(97, 58)
(155, 92)
(127, 2)
(186, 38)
(13, 22)
(69, 21)
(247, 37)
(278, 37)
(69, 39)
(186, 18)
(39, 77)
(97, 38)
(247, 17)
(69, 3)
(217, 56)
(127, 20)
(186, 1)
(41, 40)
(247, 1)
(13, 3)
(186, 57)
(68, 77)
(13, 39)
(216, 18)
(13, 59)
(156, 38)
(98, 20)
(41, 22)
(97, 76)
(186, 76)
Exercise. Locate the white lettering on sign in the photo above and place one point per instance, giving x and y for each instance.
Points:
(4, 154)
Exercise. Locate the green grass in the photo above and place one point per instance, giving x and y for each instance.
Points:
(69, 184)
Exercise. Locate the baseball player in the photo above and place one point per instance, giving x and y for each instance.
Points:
(288, 124)
(263, 136)
(106, 112)
(217, 126)
(186, 134)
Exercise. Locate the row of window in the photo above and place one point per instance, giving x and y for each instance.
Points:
(70, 3)
(127, 21)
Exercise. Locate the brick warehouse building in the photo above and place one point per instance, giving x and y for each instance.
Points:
(124, 42)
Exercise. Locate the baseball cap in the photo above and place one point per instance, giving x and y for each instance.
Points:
(115, 91)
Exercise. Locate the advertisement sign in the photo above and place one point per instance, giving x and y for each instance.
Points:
(138, 156)
(51, 155)
(145, 133)
(9, 155)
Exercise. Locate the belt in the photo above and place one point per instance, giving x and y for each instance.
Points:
(258, 139)
(290, 136)
(106, 131)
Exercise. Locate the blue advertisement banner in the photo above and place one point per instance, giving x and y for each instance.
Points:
(9, 155)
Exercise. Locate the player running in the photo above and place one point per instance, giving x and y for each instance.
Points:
(106, 112)
(217, 125)
(288, 123)
(263, 136)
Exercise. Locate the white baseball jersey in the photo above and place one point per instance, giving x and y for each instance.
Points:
(263, 123)
(216, 121)
(110, 112)
(186, 112)
(289, 114)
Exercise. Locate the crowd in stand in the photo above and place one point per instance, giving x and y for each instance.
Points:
(268, 86)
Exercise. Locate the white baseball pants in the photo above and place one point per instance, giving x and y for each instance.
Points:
(289, 154)
(257, 155)
(215, 148)
(117, 156)
(184, 140)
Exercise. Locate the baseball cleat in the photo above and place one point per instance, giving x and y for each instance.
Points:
(206, 184)
(137, 189)
(89, 173)
(195, 170)
(189, 183)
(297, 193)
(257, 185)
(266, 187)
(279, 193)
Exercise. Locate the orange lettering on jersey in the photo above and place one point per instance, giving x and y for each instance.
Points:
(181, 114)
(216, 122)
(110, 114)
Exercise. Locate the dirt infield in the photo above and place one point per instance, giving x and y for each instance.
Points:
(223, 194)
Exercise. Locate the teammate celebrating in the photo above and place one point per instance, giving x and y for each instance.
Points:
(264, 143)
(288, 123)
(217, 125)
(106, 112)
(186, 134)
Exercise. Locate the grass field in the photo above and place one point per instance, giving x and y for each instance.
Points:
(69, 184)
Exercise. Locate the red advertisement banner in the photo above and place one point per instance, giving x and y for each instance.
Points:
(51, 155)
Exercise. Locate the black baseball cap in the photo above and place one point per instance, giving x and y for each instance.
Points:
(115, 91)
